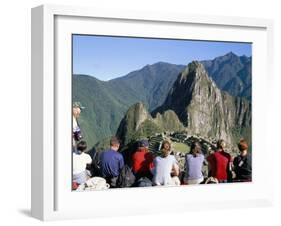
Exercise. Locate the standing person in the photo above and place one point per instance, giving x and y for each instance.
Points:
(193, 165)
(76, 131)
(243, 163)
(80, 162)
(111, 162)
(166, 169)
(220, 162)
(142, 161)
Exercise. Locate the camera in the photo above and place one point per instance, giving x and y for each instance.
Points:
(77, 135)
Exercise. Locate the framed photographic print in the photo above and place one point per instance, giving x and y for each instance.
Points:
(133, 112)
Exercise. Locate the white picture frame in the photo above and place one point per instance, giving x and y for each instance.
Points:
(51, 101)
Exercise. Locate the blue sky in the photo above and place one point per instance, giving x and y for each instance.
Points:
(109, 57)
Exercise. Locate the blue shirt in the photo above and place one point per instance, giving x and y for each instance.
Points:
(112, 163)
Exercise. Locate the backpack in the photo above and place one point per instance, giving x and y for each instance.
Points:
(126, 178)
(144, 182)
(95, 165)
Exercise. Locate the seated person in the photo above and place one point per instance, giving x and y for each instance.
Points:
(166, 169)
(111, 162)
(193, 165)
(220, 163)
(142, 161)
(80, 161)
(243, 164)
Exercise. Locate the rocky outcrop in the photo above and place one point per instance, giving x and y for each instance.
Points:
(168, 121)
(138, 123)
(204, 109)
(106, 102)
(134, 117)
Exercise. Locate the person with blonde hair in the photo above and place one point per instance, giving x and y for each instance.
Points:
(166, 169)
(242, 163)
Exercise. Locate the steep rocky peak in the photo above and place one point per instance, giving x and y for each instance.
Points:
(132, 121)
(231, 54)
(194, 70)
(191, 82)
(138, 108)
(231, 57)
(192, 85)
(138, 113)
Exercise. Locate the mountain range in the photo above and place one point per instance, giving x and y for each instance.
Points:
(231, 73)
(204, 109)
(107, 102)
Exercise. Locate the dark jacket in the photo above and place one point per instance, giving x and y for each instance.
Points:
(243, 168)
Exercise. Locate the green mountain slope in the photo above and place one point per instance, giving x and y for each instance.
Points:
(105, 106)
(107, 102)
(151, 83)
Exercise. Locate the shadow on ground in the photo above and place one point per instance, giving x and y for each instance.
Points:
(25, 212)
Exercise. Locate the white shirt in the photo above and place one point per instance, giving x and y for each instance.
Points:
(75, 126)
(162, 169)
(80, 162)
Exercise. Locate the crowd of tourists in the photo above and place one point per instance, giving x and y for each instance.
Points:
(145, 169)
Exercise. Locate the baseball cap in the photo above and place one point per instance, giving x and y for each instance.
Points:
(78, 105)
(144, 143)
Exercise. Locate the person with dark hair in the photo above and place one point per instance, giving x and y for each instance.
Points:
(80, 162)
(82, 146)
(193, 165)
(111, 162)
(142, 161)
(243, 163)
(220, 163)
(166, 169)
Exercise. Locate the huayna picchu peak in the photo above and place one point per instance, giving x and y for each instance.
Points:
(196, 105)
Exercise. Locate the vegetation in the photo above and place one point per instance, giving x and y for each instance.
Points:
(107, 102)
(181, 147)
(148, 128)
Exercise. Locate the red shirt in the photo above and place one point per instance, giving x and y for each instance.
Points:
(142, 161)
(219, 162)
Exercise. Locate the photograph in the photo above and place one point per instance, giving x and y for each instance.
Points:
(152, 112)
